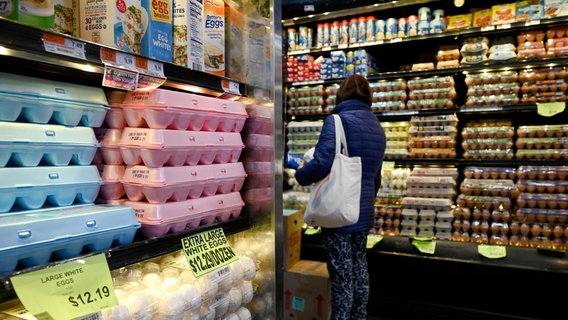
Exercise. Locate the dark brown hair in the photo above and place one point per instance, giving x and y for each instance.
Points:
(355, 87)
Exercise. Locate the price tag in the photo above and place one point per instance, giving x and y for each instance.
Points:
(424, 246)
(550, 109)
(532, 23)
(488, 28)
(311, 231)
(146, 81)
(119, 78)
(207, 251)
(504, 26)
(342, 46)
(388, 165)
(149, 67)
(120, 59)
(373, 239)
(64, 46)
(492, 252)
(231, 88)
(68, 290)
(395, 40)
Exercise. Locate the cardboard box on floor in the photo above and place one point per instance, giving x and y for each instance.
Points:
(307, 291)
(293, 231)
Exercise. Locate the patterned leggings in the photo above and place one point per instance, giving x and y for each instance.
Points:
(349, 275)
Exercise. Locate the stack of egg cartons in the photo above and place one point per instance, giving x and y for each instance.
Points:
(258, 155)
(181, 152)
(388, 203)
(397, 139)
(433, 136)
(429, 198)
(48, 183)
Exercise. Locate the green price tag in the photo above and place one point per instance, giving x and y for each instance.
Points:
(424, 246)
(550, 109)
(388, 165)
(373, 239)
(492, 251)
(69, 290)
(311, 231)
(207, 251)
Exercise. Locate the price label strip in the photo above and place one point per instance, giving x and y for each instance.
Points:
(67, 291)
(231, 90)
(115, 77)
(424, 246)
(373, 239)
(64, 46)
(207, 251)
(150, 74)
(492, 251)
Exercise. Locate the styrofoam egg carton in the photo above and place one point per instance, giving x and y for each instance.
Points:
(172, 217)
(35, 237)
(259, 199)
(260, 120)
(109, 152)
(27, 144)
(32, 187)
(112, 189)
(260, 174)
(159, 185)
(161, 147)
(168, 109)
(258, 147)
(37, 100)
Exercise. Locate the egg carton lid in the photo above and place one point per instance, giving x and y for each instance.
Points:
(36, 87)
(164, 98)
(164, 138)
(165, 176)
(25, 177)
(20, 132)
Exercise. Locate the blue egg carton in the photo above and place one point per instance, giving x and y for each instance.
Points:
(30, 99)
(30, 144)
(34, 187)
(36, 237)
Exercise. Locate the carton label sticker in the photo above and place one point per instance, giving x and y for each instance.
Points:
(298, 303)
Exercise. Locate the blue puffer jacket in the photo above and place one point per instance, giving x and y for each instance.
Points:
(365, 138)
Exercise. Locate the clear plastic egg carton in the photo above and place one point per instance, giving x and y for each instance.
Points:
(489, 154)
(160, 185)
(435, 141)
(435, 171)
(441, 103)
(161, 147)
(172, 217)
(421, 131)
(430, 182)
(168, 109)
(542, 186)
(543, 172)
(430, 153)
(387, 85)
(299, 126)
(380, 106)
(487, 143)
(490, 172)
(557, 130)
(429, 192)
(488, 132)
(30, 144)
(303, 135)
(489, 202)
(112, 188)
(397, 134)
(426, 203)
(388, 96)
(532, 215)
(36, 237)
(542, 143)
(35, 100)
(489, 187)
(34, 187)
(543, 200)
(542, 154)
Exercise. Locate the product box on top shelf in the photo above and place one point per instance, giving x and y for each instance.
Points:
(157, 42)
(36, 100)
(555, 8)
(118, 24)
(235, 49)
(307, 291)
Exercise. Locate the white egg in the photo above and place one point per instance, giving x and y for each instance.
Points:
(187, 276)
(249, 267)
(191, 296)
(169, 284)
(221, 304)
(235, 299)
(152, 280)
(237, 273)
(207, 287)
(247, 291)
(151, 267)
(206, 313)
(231, 316)
(244, 314)
(140, 305)
(170, 272)
(188, 315)
(170, 305)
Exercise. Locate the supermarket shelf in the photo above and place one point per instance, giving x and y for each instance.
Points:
(22, 49)
(139, 250)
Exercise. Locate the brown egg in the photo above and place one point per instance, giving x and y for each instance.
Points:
(525, 229)
(546, 230)
(524, 241)
(536, 230)
(514, 227)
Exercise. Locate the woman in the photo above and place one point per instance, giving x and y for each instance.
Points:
(346, 246)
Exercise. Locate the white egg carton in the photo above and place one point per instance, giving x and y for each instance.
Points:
(33, 187)
(168, 109)
(426, 171)
(160, 185)
(36, 237)
(430, 181)
(28, 144)
(30, 99)
(426, 192)
(162, 147)
(426, 203)
(172, 217)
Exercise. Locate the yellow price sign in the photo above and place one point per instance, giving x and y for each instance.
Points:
(311, 231)
(373, 239)
(207, 251)
(492, 251)
(388, 165)
(550, 109)
(69, 290)
(423, 246)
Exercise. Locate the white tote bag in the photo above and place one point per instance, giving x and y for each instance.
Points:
(334, 201)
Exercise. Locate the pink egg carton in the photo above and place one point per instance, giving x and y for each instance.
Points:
(172, 217)
(161, 147)
(167, 109)
(109, 151)
(260, 120)
(112, 188)
(160, 185)
(259, 174)
(258, 199)
(258, 147)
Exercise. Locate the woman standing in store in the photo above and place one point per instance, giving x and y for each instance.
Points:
(345, 247)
